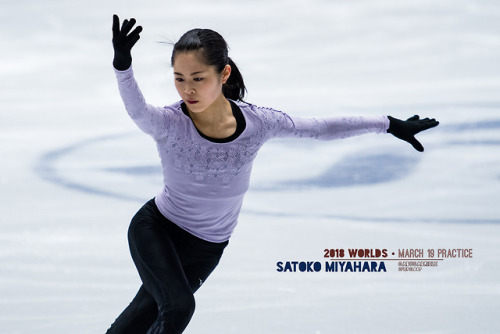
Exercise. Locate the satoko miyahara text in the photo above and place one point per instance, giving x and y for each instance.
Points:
(333, 266)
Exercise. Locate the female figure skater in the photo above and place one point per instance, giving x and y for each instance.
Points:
(206, 142)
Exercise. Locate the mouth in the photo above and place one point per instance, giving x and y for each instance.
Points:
(192, 101)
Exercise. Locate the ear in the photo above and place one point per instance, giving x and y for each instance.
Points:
(226, 72)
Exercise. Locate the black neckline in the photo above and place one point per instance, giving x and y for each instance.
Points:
(240, 124)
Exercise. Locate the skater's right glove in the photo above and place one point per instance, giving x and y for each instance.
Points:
(406, 130)
(123, 42)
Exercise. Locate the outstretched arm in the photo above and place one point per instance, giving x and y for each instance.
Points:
(282, 125)
(406, 130)
(123, 41)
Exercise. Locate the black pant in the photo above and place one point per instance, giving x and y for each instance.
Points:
(172, 264)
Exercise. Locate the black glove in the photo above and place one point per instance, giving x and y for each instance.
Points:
(122, 43)
(406, 130)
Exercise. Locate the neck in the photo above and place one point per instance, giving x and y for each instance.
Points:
(215, 114)
(217, 121)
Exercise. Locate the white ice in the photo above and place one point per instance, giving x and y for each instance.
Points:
(75, 168)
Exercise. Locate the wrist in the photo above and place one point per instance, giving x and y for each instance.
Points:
(391, 124)
(122, 62)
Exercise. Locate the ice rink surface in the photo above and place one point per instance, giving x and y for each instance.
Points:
(75, 168)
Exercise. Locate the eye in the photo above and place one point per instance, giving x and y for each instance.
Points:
(198, 79)
(179, 79)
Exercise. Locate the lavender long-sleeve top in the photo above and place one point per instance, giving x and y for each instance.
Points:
(205, 181)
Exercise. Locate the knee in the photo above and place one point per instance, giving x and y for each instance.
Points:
(179, 312)
(184, 307)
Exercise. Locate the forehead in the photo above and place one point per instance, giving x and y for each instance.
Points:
(189, 61)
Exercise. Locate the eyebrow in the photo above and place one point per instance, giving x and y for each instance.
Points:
(194, 73)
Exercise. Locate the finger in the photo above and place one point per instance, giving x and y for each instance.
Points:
(133, 38)
(414, 118)
(427, 119)
(136, 31)
(124, 23)
(416, 144)
(432, 123)
(428, 124)
(116, 25)
(127, 26)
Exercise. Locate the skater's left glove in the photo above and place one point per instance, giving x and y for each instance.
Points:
(406, 130)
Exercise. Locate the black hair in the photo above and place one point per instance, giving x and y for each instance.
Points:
(215, 52)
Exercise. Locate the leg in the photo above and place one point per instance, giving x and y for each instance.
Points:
(158, 264)
(197, 257)
(138, 316)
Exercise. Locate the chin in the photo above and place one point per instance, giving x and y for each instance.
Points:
(194, 107)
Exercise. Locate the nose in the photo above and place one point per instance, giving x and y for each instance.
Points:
(188, 89)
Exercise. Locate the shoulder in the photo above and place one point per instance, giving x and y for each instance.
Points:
(255, 108)
(174, 110)
(259, 112)
(271, 122)
(171, 118)
(174, 107)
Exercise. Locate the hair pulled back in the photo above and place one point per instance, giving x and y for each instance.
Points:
(214, 50)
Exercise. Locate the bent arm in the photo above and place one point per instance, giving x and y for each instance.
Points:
(148, 118)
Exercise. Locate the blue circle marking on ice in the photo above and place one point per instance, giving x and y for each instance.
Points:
(360, 168)
(98, 173)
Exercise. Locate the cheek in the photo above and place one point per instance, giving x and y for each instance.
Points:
(206, 89)
(215, 87)
(178, 87)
